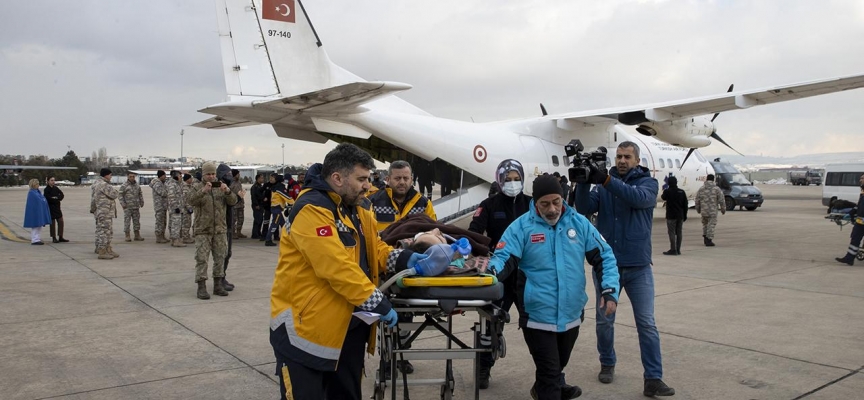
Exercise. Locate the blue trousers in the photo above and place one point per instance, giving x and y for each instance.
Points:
(638, 282)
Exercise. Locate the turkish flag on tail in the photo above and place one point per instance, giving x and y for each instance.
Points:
(278, 10)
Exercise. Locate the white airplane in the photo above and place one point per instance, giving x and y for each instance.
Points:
(278, 73)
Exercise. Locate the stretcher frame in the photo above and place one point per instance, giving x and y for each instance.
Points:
(391, 349)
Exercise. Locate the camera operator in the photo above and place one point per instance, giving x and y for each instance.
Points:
(624, 198)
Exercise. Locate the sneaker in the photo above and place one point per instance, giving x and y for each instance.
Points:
(570, 392)
(607, 373)
(405, 366)
(656, 387)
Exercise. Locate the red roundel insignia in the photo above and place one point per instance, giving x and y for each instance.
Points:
(479, 153)
(324, 231)
(500, 245)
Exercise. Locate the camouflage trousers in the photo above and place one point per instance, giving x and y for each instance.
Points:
(174, 222)
(186, 226)
(238, 220)
(204, 245)
(160, 222)
(104, 230)
(132, 215)
(709, 222)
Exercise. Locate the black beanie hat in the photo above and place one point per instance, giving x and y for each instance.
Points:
(186, 177)
(160, 173)
(545, 184)
(672, 181)
(104, 172)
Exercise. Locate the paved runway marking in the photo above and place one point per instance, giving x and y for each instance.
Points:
(7, 234)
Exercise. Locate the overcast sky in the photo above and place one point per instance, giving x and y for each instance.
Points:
(130, 75)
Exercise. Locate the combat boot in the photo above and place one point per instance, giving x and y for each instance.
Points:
(177, 243)
(202, 291)
(847, 259)
(110, 251)
(227, 285)
(218, 288)
(103, 255)
(709, 242)
(138, 237)
(128, 238)
(189, 240)
(241, 235)
(160, 238)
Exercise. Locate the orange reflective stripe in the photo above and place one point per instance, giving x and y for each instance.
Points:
(286, 380)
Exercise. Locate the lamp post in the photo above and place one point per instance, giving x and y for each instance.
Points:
(283, 158)
(181, 146)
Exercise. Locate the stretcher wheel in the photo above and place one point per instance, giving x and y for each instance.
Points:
(860, 256)
(379, 392)
(502, 348)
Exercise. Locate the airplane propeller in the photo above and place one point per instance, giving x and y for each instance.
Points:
(543, 110)
(713, 135)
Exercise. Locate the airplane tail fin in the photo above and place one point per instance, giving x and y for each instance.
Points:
(269, 47)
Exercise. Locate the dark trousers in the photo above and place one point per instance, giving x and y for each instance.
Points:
(277, 220)
(344, 383)
(675, 227)
(425, 186)
(265, 224)
(855, 239)
(59, 223)
(257, 220)
(506, 302)
(551, 353)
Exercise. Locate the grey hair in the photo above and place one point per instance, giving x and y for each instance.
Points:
(398, 164)
(344, 158)
(634, 146)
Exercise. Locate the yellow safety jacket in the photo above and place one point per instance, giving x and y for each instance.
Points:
(387, 211)
(320, 280)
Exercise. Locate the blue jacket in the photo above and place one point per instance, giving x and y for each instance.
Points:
(625, 211)
(551, 269)
(36, 213)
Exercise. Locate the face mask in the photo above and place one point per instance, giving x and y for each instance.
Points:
(512, 188)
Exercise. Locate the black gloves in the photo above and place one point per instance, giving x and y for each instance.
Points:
(598, 176)
(176, 211)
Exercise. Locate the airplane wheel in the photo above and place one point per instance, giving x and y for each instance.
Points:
(730, 203)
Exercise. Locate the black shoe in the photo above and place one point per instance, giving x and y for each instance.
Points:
(54, 240)
(261, 239)
(607, 373)
(670, 253)
(570, 392)
(483, 378)
(656, 387)
(405, 366)
(847, 259)
(709, 242)
(37, 243)
(61, 240)
(269, 243)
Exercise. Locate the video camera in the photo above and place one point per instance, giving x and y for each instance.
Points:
(580, 172)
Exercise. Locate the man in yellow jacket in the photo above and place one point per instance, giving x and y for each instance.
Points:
(329, 264)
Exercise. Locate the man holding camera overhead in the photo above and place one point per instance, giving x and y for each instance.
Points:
(210, 198)
(624, 198)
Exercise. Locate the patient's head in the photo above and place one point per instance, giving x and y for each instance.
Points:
(424, 240)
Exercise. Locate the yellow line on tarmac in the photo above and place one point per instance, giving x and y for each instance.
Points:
(8, 234)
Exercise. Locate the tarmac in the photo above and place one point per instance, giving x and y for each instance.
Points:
(766, 314)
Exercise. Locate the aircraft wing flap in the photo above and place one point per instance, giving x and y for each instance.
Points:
(340, 97)
(716, 103)
(222, 123)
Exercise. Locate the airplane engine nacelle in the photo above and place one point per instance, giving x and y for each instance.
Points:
(684, 135)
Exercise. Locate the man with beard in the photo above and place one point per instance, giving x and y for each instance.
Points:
(492, 217)
(547, 248)
(624, 199)
(329, 264)
(396, 201)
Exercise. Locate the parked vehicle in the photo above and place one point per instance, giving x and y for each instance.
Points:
(736, 188)
(805, 178)
(841, 182)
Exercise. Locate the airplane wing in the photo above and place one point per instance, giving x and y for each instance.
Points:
(659, 112)
(223, 122)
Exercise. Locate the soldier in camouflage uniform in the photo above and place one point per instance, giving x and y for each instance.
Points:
(709, 199)
(176, 208)
(236, 187)
(102, 206)
(131, 199)
(186, 225)
(211, 229)
(160, 204)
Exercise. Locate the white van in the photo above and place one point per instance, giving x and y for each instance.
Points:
(841, 182)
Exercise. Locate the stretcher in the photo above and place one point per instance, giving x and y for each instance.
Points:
(437, 300)
(841, 219)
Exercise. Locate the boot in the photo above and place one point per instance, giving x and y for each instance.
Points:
(202, 291)
(607, 374)
(177, 243)
(103, 255)
(241, 235)
(160, 238)
(269, 243)
(128, 238)
(138, 237)
(847, 259)
(54, 240)
(709, 242)
(110, 251)
(656, 387)
(218, 288)
(188, 240)
(227, 285)
(484, 370)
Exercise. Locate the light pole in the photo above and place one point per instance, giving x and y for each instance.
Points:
(181, 146)
(283, 158)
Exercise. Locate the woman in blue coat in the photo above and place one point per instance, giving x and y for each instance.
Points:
(36, 214)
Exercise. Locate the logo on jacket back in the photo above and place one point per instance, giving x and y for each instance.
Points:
(324, 231)
(538, 238)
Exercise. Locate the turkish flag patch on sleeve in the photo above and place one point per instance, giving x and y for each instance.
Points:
(500, 245)
(324, 231)
(278, 10)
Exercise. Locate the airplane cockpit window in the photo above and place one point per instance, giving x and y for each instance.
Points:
(662, 164)
(677, 163)
(554, 161)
